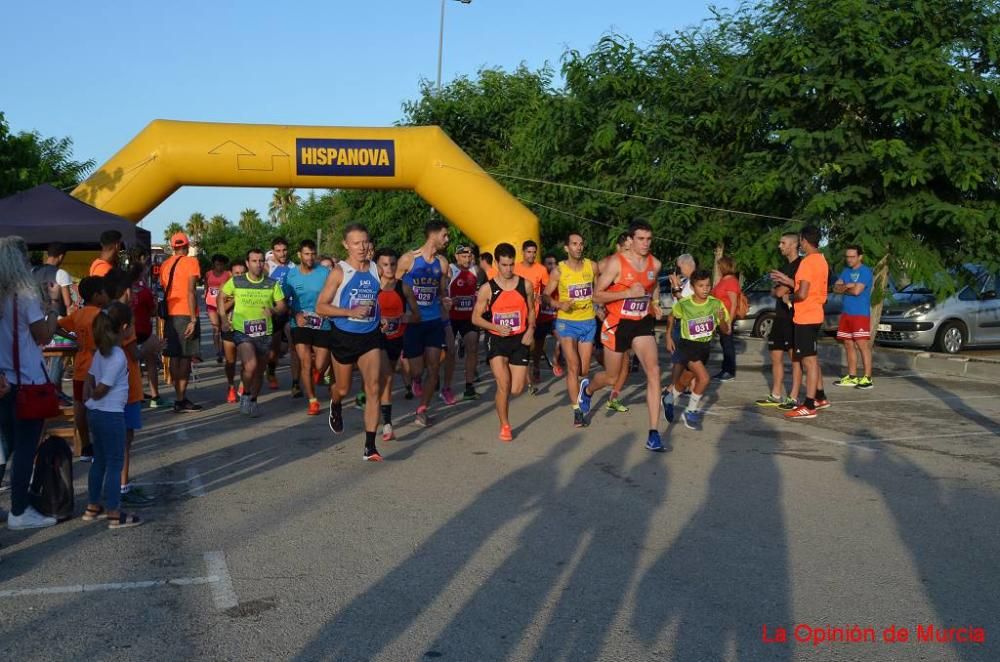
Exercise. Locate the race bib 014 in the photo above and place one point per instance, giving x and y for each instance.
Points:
(255, 328)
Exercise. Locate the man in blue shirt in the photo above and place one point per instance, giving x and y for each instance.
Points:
(310, 331)
(855, 330)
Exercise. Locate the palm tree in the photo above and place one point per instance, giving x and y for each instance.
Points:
(282, 203)
(218, 223)
(250, 222)
(196, 227)
(171, 230)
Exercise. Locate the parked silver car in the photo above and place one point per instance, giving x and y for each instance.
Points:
(760, 316)
(970, 317)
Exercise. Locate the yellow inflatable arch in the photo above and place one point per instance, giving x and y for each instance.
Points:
(169, 154)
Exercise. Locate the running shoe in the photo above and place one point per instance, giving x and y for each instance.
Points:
(230, 396)
(360, 399)
(653, 442)
(336, 418)
(316, 377)
(536, 375)
(185, 406)
(822, 404)
(296, 390)
(614, 404)
(470, 393)
(789, 404)
(532, 389)
(724, 377)
(448, 397)
(418, 388)
(136, 498)
(245, 405)
(29, 519)
(422, 419)
(254, 409)
(583, 400)
(272, 382)
(558, 370)
(692, 420)
(408, 394)
(846, 380)
(157, 402)
(240, 390)
(667, 400)
(865, 383)
(579, 420)
(387, 433)
(801, 412)
(313, 407)
(371, 455)
(506, 434)
(770, 401)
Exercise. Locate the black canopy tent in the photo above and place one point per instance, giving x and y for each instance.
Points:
(45, 214)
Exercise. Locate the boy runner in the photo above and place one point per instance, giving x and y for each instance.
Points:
(630, 291)
(215, 278)
(698, 316)
(310, 332)
(351, 297)
(255, 300)
(505, 308)
(855, 330)
(573, 280)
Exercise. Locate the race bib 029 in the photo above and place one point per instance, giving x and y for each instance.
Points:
(425, 295)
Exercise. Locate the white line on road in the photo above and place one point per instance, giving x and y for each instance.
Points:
(117, 586)
(223, 592)
(836, 402)
(194, 480)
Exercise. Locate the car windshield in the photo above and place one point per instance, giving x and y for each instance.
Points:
(916, 288)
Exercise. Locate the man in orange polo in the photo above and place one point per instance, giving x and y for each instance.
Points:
(179, 276)
(538, 277)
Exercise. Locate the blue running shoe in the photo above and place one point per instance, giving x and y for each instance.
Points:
(667, 400)
(692, 420)
(653, 443)
(583, 400)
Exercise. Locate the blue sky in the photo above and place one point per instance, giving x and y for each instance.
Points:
(99, 72)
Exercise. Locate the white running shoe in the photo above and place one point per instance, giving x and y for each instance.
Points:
(387, 434)
(29, 519)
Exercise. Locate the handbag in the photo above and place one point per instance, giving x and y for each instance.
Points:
(161, 306)
(33, 401)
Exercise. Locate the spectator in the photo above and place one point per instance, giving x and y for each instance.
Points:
(179, 276)
(20, 297)
(726, 291)
(143, 311)
(56, 286)
(111, 241)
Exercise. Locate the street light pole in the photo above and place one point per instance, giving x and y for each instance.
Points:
(441, 42)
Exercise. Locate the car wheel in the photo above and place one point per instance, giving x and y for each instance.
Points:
(762, 327)
(951, 337)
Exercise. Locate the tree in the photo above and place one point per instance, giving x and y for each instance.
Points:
(171, 230)
(283, 201)
(27, 159)
(196, 228)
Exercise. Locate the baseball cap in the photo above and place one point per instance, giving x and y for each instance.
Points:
(462, 249)
(179, 239)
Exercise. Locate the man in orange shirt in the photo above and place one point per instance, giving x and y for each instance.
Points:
(809, 289)
(538, 277)
(179, 276)
(111, 242)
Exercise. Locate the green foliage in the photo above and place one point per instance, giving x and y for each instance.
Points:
(27, 159)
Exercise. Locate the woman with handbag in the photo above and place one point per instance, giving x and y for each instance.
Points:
(27, 397)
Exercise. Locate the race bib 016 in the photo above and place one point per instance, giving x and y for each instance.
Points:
(255, 328)
(635, 307)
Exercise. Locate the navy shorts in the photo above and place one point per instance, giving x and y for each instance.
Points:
(424, 335)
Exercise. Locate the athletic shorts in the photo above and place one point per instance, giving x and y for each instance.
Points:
(279, 322)
(677, 356)
(511, 347)
(78, 390)
(618, 338)
(423, 335)
(806, 340)
(393, 348)
(312, 337)
(543, 329)
(227, 336)
(211, 309)
(575, 330)
(179, 347)
(854, 327)
(782, 337)
(133, 416)
(463, 327)
(692, 351)
(261, 344)
(348, 347)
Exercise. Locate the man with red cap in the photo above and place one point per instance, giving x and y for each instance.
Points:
(179, 276)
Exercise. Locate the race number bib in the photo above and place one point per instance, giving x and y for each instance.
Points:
(581, 292)
(313, 321)
(255, 328)
(512, 320)
(392, 325)
(213, 292)
(701, 327)
(359, 302)
(635, 308)
(424, 294)
(463, 304)
(546, 309)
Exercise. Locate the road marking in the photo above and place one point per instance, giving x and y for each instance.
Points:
(945, 398)
(196, 488)
(117, 586)
(223, 592)
(182, 433)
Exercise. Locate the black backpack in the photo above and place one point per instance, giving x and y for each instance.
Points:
(51, 491)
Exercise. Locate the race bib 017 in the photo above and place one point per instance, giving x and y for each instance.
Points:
(578, 292)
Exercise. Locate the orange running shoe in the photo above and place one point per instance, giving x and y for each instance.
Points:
(313, 407)
(506, 434)
(272, 382)
(231, 396)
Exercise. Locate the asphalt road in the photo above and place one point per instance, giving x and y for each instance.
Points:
(273, 540)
